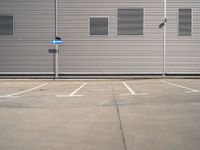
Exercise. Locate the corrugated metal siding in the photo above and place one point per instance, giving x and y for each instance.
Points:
(82, 53)
(183, 52)
(27, 49)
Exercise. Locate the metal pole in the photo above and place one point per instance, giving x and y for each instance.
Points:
(56, 34)
(164, 38)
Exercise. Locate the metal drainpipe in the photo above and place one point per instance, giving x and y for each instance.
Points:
(56, 35)
(164, 38)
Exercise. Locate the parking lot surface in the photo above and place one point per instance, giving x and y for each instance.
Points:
(142, 114)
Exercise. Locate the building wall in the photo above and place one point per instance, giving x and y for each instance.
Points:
(114, 53)
(183, 52)
(27, 50)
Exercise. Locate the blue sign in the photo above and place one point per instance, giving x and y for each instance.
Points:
(57, 42)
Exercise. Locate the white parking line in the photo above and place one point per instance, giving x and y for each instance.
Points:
(25, 91)
(74, 92)
(131, 91)
(190, 90)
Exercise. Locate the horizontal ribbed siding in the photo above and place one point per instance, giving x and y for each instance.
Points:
(113, 53)
(183, 52)
(27, 50)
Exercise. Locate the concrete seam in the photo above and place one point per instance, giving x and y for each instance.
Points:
(119, 117)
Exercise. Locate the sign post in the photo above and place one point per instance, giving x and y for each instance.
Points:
(56, 35)
(55, 51)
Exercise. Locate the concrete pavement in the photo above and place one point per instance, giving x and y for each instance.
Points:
(151, 114)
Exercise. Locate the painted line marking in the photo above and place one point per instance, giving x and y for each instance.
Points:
(190, 90)
(74, 92)
(25, 91)
(131, 91)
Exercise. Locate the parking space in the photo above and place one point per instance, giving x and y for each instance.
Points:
(13, 90)
(142, 114)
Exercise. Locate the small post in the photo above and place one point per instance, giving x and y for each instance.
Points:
(56, 35)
